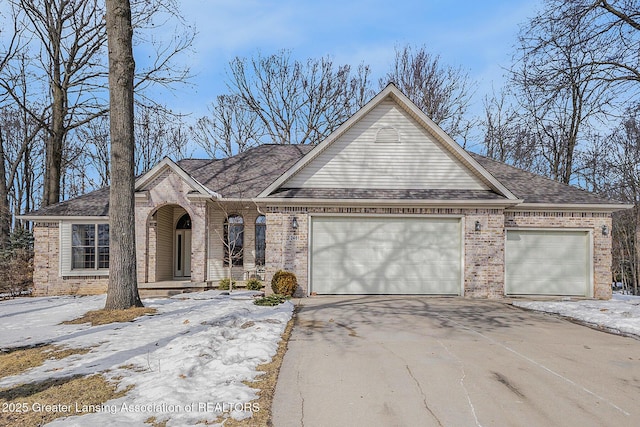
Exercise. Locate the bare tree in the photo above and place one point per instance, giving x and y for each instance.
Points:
(442, 92)
(507, 136)
(122, 291)
(95, 136)
(276, 99)
(625, 185)
(159, 133)
(559, 88)
(69, 37)
(232, 236)
(625, 260)
(67, 63)
(230, 128)
(611, 25)
(17, 136)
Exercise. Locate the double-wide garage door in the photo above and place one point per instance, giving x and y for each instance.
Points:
(385, 255)
(541, 262)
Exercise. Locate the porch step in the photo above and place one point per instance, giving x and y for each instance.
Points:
(175, 287)
(169, 288)
(171, 284)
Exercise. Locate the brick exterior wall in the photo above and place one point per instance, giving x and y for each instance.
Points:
(46, 267)
(168, 189)
(484, 253)
(288, 248)
(483, 250)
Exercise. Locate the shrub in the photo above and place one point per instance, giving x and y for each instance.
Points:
(284, 283)
(254, 284)
(271, 300)
(223, 284)
(16, 264)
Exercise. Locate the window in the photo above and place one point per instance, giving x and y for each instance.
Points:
(184, 223)
(261, 239)
(89, 246)
(234, 239)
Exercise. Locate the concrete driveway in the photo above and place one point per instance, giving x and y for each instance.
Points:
(420, 361)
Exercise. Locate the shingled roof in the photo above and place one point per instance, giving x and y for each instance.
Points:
(247, 174)
(95, 203)
(534, 188)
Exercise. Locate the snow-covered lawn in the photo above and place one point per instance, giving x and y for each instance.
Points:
(621, 313)
(186, 363)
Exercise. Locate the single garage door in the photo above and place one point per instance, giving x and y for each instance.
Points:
(541, 262)
(385, 255)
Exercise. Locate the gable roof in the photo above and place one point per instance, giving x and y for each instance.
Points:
(537, 189)
(244, 175)
(167, 163)
(263, 172)
(247, 174)
(391, 91)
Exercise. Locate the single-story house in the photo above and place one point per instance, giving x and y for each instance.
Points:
(387, 204)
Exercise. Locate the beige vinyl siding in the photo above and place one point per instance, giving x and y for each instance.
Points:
(65, 251)
(356, 160)
(216, 267)
(165, 233)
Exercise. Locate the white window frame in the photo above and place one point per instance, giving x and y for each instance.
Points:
(66, 251)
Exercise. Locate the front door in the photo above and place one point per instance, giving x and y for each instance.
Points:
(182, 249)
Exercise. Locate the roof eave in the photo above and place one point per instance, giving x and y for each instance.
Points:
(573, 207)
(386, 202)
(52, 218)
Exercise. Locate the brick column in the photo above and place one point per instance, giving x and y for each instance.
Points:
(198, 241)
(484, 254)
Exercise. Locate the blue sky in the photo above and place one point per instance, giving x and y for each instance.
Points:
(476, 35)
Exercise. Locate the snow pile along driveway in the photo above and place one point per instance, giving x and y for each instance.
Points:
(620, 314)
(186, 363)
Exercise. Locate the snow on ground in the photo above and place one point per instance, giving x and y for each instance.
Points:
(621, 313)
(187, 362)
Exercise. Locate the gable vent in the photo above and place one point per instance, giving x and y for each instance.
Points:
(388, 134)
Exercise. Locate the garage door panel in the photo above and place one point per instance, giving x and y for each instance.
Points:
(370, 255)
(541, 262)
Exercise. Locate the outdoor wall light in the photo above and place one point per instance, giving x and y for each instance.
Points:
(478, 226)
(294, 223)
(605, 230)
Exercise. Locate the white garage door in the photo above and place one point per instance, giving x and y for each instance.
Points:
(384, 255)
(547, 263)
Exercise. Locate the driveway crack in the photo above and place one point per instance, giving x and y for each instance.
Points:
(302, 401)
(539, 365)
(464, 387)
(424, 397)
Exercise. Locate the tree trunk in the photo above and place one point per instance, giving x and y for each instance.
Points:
(637, 251)
(5, 216)
(54, 144)
(55, 141)
(122, 292)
